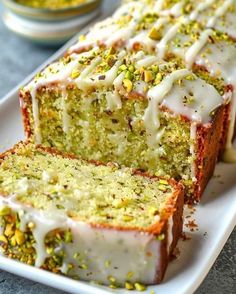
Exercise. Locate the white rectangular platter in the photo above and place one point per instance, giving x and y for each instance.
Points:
(215, 217)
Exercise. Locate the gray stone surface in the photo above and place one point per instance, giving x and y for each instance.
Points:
(17, 59)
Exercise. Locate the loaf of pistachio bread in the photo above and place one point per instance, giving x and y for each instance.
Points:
(94, 222)
(200, 33)
(130, 108)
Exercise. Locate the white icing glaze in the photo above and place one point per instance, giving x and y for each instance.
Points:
(176, 10)
(83, 82)
(199, 108)
(155, 97)
(230, 152)
(118, 81)
(121, 34)
(170, 233)
(227, 24)
(202, 6)
(219, 12)
(147, 61)
(187, 99)
(158, 6)
(169, 35)
(113, 100)
(109, 31)
(222, 61)
(143, 39)
(96, 253)
(193, 51)
(141, 87)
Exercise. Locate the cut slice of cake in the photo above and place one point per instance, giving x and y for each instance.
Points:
(132, 109)
(108, 224)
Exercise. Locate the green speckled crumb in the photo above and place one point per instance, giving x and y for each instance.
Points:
(95, 194)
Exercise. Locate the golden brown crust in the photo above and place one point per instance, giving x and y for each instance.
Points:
(209, 146)
(24, 103)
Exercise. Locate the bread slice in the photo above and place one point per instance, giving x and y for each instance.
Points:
(89, 221)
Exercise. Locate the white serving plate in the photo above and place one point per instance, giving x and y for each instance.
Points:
(215, 216)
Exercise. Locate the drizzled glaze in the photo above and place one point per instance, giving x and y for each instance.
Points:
(226, 66)
(219, 12)
(155, 97)
(171, 94)
(60, 76)
(170, 34)
(201, 7)
(193, 51)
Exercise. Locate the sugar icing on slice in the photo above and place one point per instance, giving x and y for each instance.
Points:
(222, 60)
(169, 35)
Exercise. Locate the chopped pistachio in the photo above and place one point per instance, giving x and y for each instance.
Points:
(129, 286)
(20, 237)
(154, 34)
(13, 241)
(128, 75)
(9, 230)
(107, 263)
(140, 287)
(3, 239)
(68, 237)
(82, 38)
(111, 279)
(130, 275)
(84, 266)
(128, 85)
(162, 188)
(163, 182)
(161, 237)
(148, 76)
(127, 218)
(113, 286)
(158, 78)
(75, 73)
(152, 211)
(131, 68)
(111, 51)
(123, 67)
(5, 211)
